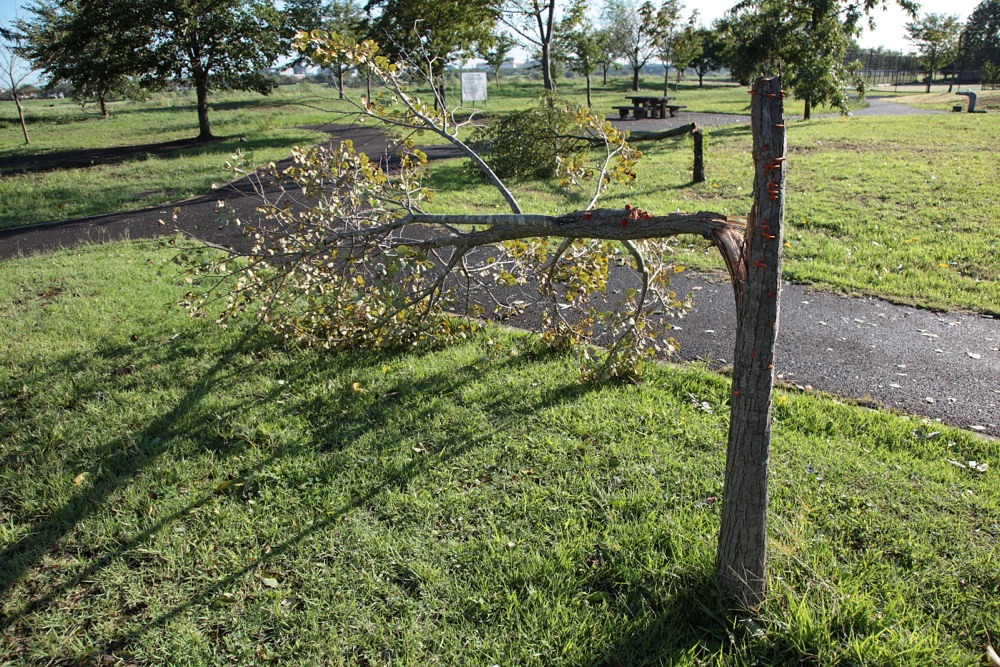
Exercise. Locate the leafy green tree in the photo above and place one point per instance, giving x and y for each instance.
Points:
(709, 56)
(345, 17)
(581, 42)
(936, 38)
(213, 44)
(982, 35)
(661, 24)
(429, 33)
(630, 34)
(805, 41)
(67, 44)
(494, 50)
(609, 52)
(687, 46)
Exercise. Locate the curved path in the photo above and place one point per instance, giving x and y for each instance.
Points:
(941, 366)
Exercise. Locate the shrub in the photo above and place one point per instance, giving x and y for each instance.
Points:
(527, 144)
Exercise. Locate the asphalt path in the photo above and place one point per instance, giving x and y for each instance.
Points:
(942, 366)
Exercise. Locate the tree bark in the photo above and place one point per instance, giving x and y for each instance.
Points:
(104, 105)
(547, 68)
(201, 90)
(590, 104)
(742, 550)
(635, 78)
(20, 114)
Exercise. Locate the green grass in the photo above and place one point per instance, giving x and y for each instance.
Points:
(263, 128)
(901, 207)
(173, 493)
(904, 208)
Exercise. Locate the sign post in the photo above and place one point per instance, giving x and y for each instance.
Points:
(473, 87)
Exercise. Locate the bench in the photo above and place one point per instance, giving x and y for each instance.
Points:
(638, 111)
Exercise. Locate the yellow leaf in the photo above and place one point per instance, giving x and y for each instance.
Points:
(357, 388)
(81, 478)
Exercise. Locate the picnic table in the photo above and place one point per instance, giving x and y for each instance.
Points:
(648, 106)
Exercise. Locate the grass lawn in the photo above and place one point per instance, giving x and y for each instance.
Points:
(264, 128)
(901, 207)
(173, 493)
(904, 208)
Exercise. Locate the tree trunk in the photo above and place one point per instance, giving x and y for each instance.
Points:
(547, 68)
(742, 551)
(666, 80)
(701, 79)
(201, 89)
(590, 104)
(20, 114)
(340, 81)
(103, 101)
(605, 68)
(806, 109)
(635, 78)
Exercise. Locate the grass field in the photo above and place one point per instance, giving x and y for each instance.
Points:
(173, 493)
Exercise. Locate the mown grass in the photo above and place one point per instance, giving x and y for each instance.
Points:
(262, 128)
(901, 207)
(987, 100)
(173, 493)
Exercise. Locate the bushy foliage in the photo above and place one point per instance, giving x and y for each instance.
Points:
(344, 255)
(529, 144)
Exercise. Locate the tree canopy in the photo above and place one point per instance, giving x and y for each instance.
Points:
(630, 33)
(936, 38)
(805, 41)
(982, 35)
(68, 44)
(209, 44)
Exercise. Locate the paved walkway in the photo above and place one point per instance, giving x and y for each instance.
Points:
(942, 366)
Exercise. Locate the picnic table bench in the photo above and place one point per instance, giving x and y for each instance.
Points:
(646, 106)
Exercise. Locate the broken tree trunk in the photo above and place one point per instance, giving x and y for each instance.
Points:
(742, 551)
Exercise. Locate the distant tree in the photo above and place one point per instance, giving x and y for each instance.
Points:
(494, 50)
(16, 71)
(709, 56)
(343, 17)
(534, 22)
(936, 38)
(67, 44)
(208, 44)
(661, 24)
(630, 34)
(687, 46)
(609, 53)
(982, 35)
(805, 41)
(429, 33)
(581, 43)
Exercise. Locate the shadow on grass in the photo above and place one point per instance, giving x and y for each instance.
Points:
(118, 462)
(92, 157)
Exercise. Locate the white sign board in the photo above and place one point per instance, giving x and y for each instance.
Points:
(473, 86)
